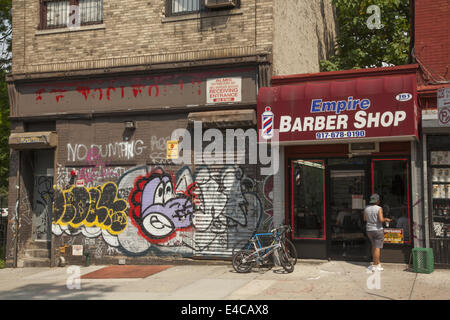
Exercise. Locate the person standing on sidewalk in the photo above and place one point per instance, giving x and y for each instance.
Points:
(373, 216)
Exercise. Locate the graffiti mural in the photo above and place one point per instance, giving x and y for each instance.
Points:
(268, 195)
(227, 207)
(158, 148)
(156, 210)
(90, 207)
(153, 210)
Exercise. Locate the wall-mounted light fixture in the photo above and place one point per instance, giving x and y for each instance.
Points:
(130, 125)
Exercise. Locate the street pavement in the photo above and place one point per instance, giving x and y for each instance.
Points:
(311, 280)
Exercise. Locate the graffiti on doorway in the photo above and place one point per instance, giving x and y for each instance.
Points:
(42, 204)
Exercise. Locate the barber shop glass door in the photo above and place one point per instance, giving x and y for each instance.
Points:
(347, 194)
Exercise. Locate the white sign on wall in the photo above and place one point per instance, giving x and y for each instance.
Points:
(443, 106)
(222, 90)
(77, 250)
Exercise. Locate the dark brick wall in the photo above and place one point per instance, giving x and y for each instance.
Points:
(432, 43)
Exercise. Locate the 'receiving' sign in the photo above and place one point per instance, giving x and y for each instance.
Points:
(320, 111)
(223, 90)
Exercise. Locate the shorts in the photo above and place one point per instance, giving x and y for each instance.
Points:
(376, 238)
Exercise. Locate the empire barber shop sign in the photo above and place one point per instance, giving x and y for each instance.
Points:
(345, 109)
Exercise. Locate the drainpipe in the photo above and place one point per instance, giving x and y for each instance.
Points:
(53, 258)
(426, 219)
(412, 32)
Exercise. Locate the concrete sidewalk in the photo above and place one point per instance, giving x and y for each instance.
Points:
(312, 280)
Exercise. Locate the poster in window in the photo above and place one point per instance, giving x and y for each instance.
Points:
(393, 235)
(357, 202)
(440, 157)
(440, 174)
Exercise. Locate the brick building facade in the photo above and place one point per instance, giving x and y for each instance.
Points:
(94, 106)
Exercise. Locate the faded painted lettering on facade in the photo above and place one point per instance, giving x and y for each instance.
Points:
(118, 93)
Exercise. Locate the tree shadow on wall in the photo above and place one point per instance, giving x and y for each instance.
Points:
(215, 20)
(327, 40)
(53, 291)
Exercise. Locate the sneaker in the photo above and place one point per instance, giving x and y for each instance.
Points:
(378, 267)
(371, 268)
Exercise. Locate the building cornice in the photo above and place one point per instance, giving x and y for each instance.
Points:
(134, 112)
(344, 74)
(142, 64)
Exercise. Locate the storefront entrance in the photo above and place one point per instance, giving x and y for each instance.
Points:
(344, 136)
(348, 191)
(328, 197)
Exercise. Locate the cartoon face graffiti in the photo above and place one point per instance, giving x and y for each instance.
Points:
(156, 210)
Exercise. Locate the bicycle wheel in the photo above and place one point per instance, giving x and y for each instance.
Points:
(239, 265)
(284, 259)
(291, 251)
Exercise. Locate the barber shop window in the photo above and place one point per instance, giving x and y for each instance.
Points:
(391, 182)
(308, 199)
(66, 13)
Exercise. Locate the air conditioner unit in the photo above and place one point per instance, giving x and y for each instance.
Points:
(364, 147)
(216, 4)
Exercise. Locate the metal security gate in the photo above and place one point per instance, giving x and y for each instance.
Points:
(229, 208)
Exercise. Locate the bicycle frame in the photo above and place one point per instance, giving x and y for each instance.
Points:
(244, 260)
(268, 249)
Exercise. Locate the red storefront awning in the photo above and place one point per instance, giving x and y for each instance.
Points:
(338, 107)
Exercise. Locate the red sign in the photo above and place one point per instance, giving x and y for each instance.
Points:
(338, 110)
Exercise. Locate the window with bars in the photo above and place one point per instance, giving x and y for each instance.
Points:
(180, 7)
(59, 13)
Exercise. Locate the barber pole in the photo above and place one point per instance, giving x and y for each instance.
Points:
(267, 123)
(297, 177)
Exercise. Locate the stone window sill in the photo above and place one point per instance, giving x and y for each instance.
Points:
(196, 16)
(66, 30)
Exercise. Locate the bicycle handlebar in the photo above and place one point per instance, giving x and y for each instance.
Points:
(284, 228)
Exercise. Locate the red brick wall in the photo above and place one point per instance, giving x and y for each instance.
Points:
(432, 38)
